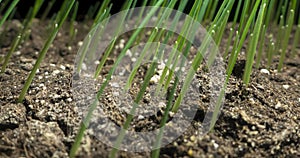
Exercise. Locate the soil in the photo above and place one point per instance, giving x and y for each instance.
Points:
(258, 120)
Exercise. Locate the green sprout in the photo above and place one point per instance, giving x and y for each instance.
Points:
(43, 52)
(253, 26)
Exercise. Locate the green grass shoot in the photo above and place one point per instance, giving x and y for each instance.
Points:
(44, 50)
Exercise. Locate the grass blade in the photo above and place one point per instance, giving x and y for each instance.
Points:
(287, 35)
(8, 11)
(131, 40)
(253, 43)
(46, 12)
(44, 51)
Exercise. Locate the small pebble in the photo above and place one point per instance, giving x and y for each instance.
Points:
(140, 117)
(161, 66)
(62, 67)
(193, 138)
(121, 45)
(133, 59)
(115, 84)
(278, 105)
(84, 66)
(154, 79)
(56, 72)
(69, 100)
(43, 102)
(251, 100)
(162, 104)
(265, 71)
(215, 145)
(80, 43)
(190, 152)
(286, 86)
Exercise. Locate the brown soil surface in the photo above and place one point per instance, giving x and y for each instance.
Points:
(261, 120)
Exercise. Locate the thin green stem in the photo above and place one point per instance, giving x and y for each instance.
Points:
(296, 40)
(240, 43)
(253, 43)
(261, 46)
(73, 18)
(47, 10)
(8, 11)
(79, 136)
(270, 53)
(287, 35)
(44, 51)
(8, 56)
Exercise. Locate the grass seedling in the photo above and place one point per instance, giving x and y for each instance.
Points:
(47, 10)
(213, 10)
(296, 40)
(3, 5)
(271, 49)
(102, 12)
(87, 119)
(22, 34)
(254, 20)
(155, 34)
(237, 47)
(244, 12)
(112, 43)
(138, 98)
(203, 10)
(73, 18)
(261, 46)
(218, 38)
(5, 26)
(91, 11)
(198, 58)
(8, 11)
(232, 28)
(42, 54)
(287, 35)
(253, 43)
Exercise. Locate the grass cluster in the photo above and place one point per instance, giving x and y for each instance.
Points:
(263, 26)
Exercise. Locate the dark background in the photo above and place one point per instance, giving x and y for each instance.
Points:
(24, 5)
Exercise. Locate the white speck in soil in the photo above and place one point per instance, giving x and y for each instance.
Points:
(265, 71)
(84, 66)
(80, 43)
(278, 105)
(121, 45)
(55, 72)
(62, 67)
(69, 100)
(133, 59)
(286, 86)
